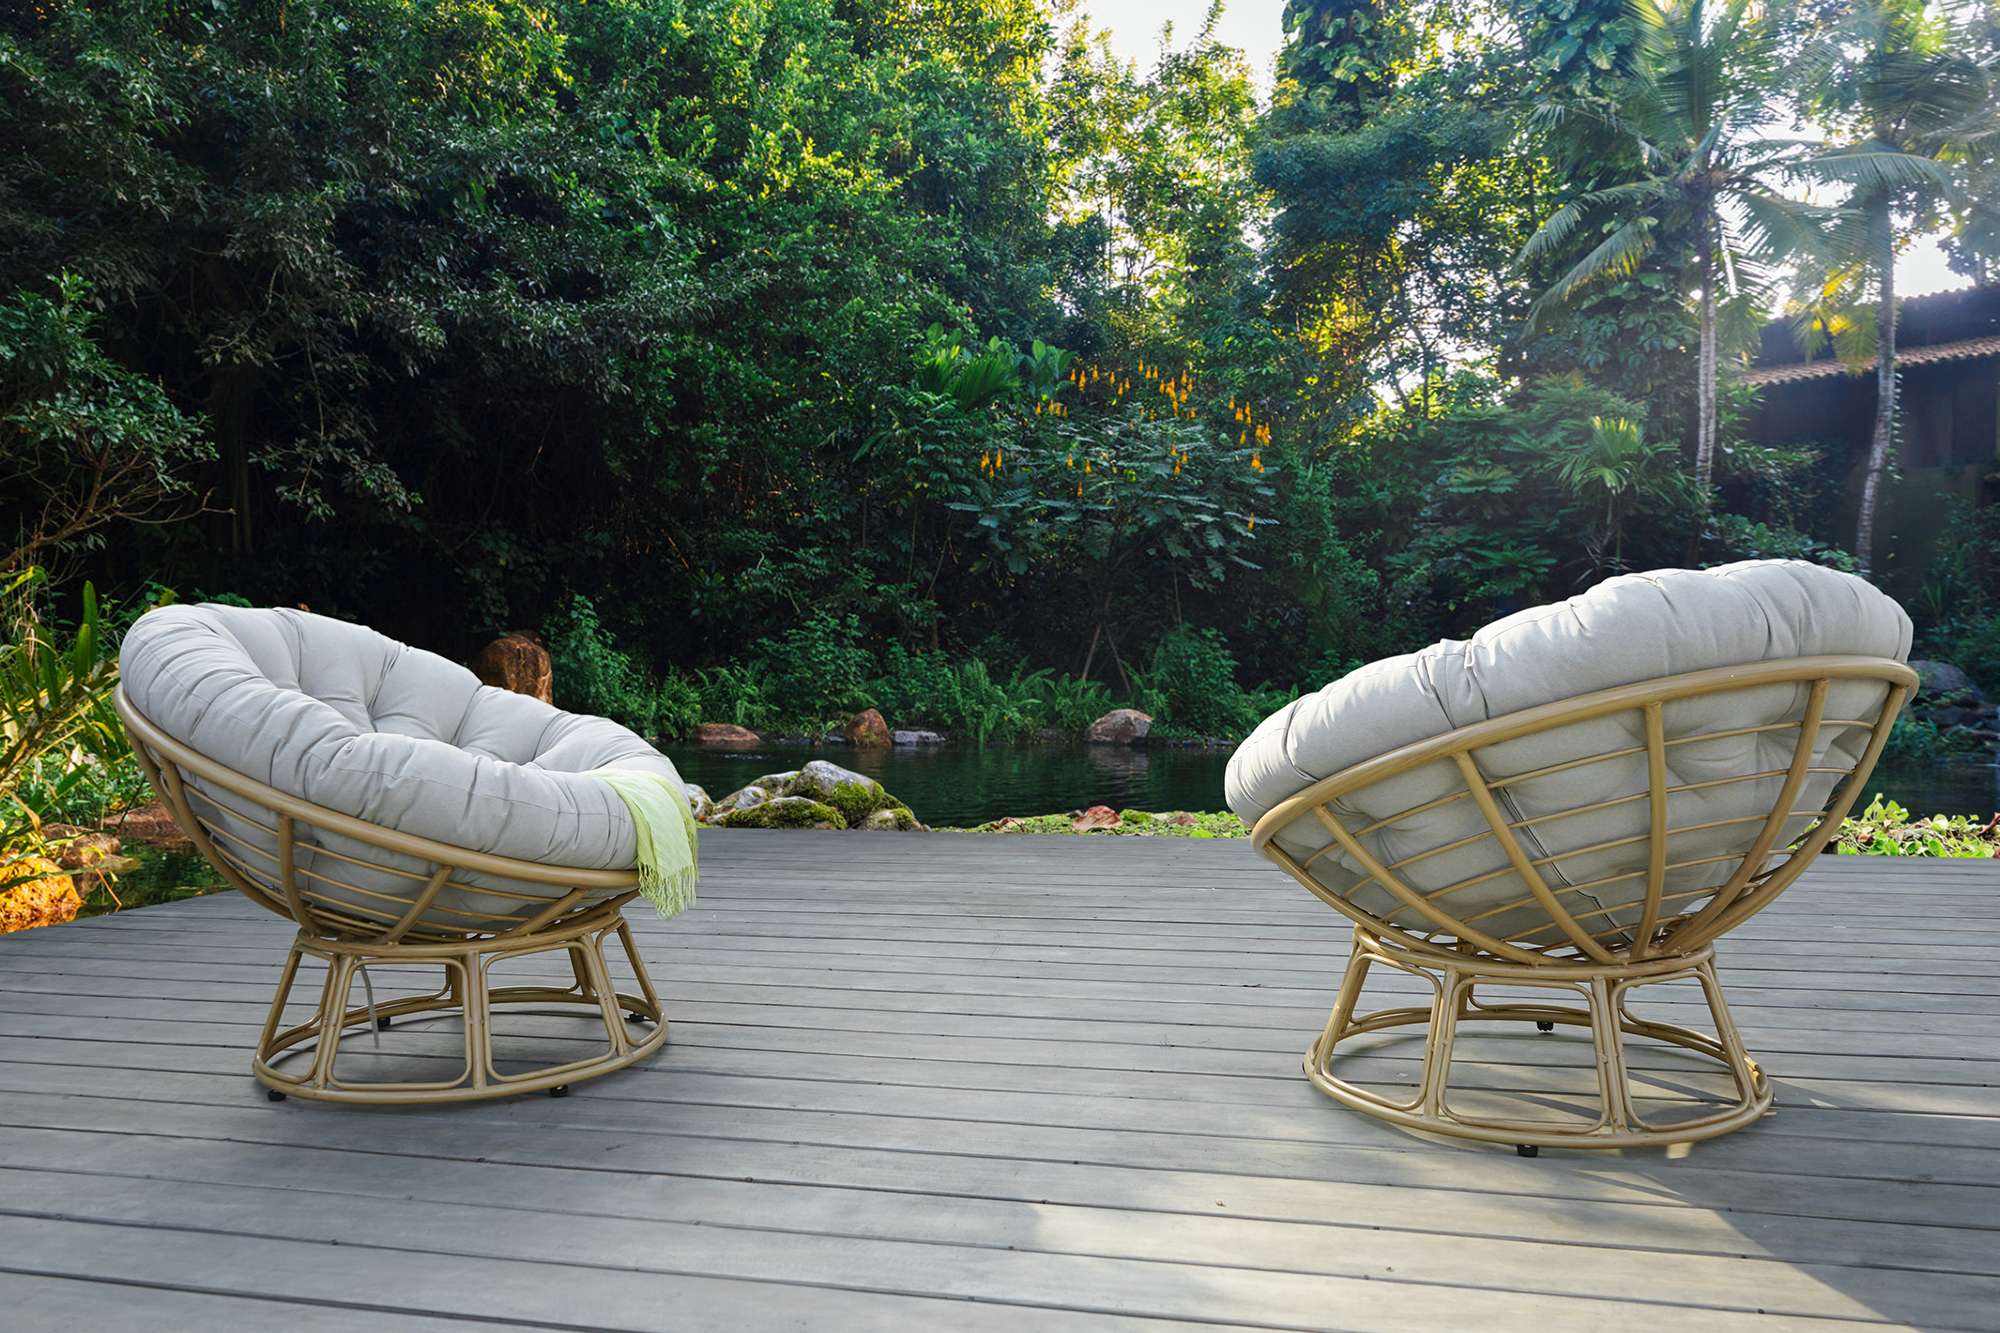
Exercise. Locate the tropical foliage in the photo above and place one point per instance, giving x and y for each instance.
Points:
(780, 356)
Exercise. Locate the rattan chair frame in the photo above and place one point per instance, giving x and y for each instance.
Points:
(363, 928)
(1673, 939)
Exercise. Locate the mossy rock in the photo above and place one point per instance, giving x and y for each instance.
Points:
(1135, 817)
(786, 812)
(855, 795)
(858, 800)
(890, 818)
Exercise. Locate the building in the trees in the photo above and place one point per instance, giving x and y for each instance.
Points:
(1948, 437)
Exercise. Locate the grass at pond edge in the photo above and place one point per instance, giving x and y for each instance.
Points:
(1131, 823)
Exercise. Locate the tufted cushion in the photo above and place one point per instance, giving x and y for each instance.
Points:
(1628, 629)
(345, 718)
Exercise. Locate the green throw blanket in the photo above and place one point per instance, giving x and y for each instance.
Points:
(664, 830)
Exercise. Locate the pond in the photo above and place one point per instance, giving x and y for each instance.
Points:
(953, 785)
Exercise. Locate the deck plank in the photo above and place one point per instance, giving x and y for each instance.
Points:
(1005, 1082)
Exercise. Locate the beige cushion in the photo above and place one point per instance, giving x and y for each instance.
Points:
(1628, 629)
(347, 719)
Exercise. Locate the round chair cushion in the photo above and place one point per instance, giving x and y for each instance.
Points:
(1633, 628)
(343, 717)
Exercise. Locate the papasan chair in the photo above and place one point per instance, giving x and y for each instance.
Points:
(402, 814)
(1573, 805)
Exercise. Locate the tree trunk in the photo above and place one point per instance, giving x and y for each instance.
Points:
(1704, 438)
(1882, 240)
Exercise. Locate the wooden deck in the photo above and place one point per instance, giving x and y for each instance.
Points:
(978, 1083)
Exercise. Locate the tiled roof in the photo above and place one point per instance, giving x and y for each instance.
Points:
(1969, 349)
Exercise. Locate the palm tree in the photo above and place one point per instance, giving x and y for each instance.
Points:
(1897, 78)
(1695, 112)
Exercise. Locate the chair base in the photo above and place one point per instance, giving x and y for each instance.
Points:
(466, 993)
(1604, 989)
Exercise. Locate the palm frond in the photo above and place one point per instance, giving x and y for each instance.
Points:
(1562, 224)
(1777, 228)
(1616, 255)
(1872, 168)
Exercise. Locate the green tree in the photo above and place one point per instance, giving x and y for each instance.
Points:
(1394, 156)
(87, 446)
(1902, 82)
(1695, 112)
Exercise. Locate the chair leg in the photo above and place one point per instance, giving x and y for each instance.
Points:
(286, 980)
(584, 989)
(1351, 982)
(332, 1019)
(1452, 999)
(1750, 1081)
(640, 975)
(478, 1019)
(1614, 1081)
(607, 995)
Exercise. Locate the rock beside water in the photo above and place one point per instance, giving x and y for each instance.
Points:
(1120, 726)
(784, 812)
(820, 795)
(726, 735)
(867, 730)
(1949, 700)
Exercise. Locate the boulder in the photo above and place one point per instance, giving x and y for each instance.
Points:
(76, 848)
(1097, 816)
(699, 801)
(855, 795)
(726, 735)
(1940, 678)
(838, 798)
(517, 661)
(152, 824)
(916, 738)
(894, 818)
(743, 798)
(867, 730)
(1120, 726)
(785, 812)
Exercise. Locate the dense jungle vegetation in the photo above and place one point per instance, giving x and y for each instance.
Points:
(776, 357)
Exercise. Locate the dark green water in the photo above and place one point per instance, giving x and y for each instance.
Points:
(960, 785)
